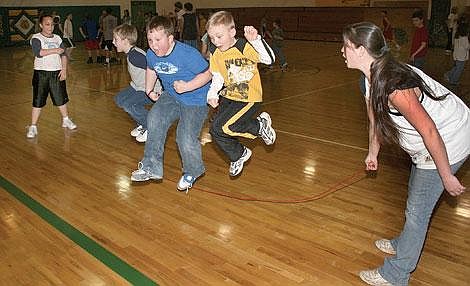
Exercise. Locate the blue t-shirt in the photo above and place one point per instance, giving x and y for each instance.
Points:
(90, 28)
(183, 63)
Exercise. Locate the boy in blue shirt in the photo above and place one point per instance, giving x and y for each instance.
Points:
(185, 77)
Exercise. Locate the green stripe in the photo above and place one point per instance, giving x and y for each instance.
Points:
(109, 259)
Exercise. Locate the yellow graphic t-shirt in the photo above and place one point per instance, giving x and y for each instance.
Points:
(239, 68)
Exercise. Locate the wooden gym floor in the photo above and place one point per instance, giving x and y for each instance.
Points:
(109, 231)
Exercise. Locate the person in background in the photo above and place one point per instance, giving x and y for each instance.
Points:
(419, 43)
(50, 72)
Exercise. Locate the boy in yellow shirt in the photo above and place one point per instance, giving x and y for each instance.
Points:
(233, 64)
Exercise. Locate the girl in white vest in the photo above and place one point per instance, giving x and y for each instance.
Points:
(407, 107)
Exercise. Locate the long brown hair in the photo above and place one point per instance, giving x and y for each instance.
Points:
(386, 76)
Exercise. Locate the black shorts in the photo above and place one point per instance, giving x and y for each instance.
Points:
(68, 43)
(45, 82)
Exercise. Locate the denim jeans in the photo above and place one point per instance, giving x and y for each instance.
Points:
(279, 54)
(164, 112)
(133, 102)
(456, 72)
(424, 190)
(419, 62)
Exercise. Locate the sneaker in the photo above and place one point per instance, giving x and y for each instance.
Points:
(185, 183)
(142, 175)
(373, 277)
(142, 137)
(66, 122)
(32, 131)
(89, 61)
(384, 245)
(237, 166)
(266, 131)
(284, 66)
(206, 137)
(136, 131)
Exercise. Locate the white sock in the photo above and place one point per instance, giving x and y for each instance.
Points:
(65, 118)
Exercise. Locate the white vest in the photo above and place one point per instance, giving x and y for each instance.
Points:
(50, 62)
(452, 119)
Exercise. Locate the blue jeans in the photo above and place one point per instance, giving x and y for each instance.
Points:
(419, 62)
(164, 112)
(424, 190)
(133, 102)
(456, 72)
(281, 59)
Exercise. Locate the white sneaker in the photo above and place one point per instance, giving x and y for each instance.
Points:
(142, 137)
(136, 131)
(385, 245)
(373, 277)
(66, 122)
(237, 166)
(32, 131)
(185, 183)
(266, 131)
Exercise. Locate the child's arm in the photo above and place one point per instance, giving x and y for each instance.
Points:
(63, 71)
(216, 85)
(150, 80)
(39, 52)
(199, 80)
(266, 55)
(407, 103)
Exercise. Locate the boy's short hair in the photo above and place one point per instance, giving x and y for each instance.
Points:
(188, 6)
(221, 18)
(126, 31)
(41, 18)
(161, 23)
(418, 14)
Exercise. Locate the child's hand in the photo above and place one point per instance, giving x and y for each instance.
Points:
(250, 33)
(60, 51)
(180, 86)
(214, 102)
(62, 75)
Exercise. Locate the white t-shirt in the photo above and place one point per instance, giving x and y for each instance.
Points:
(68, 29)
(452, 119)
(51, 62)
(461, 47)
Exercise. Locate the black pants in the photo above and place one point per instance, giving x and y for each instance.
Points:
(449, 39)
(234, 119)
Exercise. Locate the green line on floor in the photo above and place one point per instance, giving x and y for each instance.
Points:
(123, 269)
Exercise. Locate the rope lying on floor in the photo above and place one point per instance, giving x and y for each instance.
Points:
(346, 182)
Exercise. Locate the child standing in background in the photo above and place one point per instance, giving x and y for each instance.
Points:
(419, 44)
(50, 71)
(277, 43)
(461, 47)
